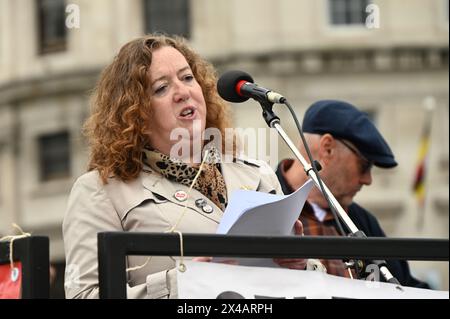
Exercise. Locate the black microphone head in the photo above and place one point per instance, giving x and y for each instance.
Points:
(226, 86)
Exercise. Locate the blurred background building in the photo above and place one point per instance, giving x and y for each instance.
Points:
(385, 56)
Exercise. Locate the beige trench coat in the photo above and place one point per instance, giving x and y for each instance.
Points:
(146, 204)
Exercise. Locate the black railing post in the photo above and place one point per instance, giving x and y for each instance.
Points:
(111, 266)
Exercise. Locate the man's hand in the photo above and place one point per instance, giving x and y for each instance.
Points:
(293, 263)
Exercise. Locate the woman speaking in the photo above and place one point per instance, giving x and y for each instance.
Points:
(142, 179)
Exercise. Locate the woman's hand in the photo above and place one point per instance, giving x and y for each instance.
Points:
(293, 263)
(204, 259)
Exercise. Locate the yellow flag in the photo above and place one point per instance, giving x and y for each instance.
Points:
(422, 158)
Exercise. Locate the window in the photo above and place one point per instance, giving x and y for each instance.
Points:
(168, 16)
(51, 23)
(348, 12)
(54, 156)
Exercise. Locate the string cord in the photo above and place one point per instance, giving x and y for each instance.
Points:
(11, 239)
(173, 229)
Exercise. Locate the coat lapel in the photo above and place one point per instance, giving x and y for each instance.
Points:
(166, 189)
(239, 176)
(236, 175)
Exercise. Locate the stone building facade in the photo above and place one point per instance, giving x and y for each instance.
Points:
(306, 50)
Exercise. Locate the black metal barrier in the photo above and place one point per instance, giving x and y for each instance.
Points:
(113, 247)
(33, 253)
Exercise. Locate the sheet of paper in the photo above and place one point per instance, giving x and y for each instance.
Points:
(240, 202)
(257, 213)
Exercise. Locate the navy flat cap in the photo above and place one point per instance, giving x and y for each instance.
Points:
(344, 121)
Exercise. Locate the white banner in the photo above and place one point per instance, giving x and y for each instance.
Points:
(203, 280)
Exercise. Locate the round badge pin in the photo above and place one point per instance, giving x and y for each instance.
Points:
(180, 196)
(200, 202)
(208, 209)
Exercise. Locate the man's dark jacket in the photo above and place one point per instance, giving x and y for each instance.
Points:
(366, 222)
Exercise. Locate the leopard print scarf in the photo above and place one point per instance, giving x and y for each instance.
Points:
(210, 182)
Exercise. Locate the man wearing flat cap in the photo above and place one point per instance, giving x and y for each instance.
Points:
(347, 144)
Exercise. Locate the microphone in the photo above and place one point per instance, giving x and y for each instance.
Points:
(238, 86)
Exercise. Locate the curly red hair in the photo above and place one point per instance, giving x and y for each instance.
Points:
(121, 108)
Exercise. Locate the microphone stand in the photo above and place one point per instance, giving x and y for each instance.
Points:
(273, 121)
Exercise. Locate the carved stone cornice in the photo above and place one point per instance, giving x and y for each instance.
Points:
(341, 60)
(61, 84)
